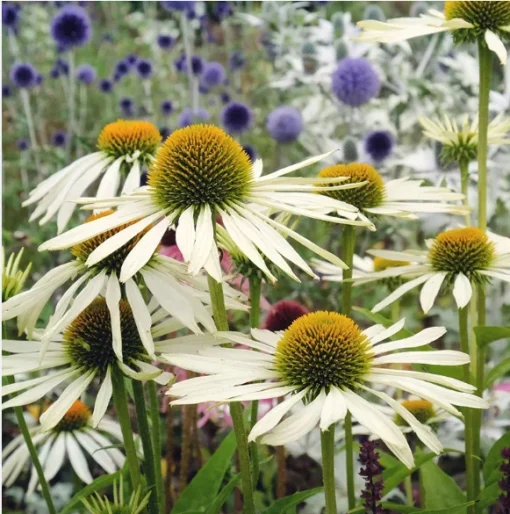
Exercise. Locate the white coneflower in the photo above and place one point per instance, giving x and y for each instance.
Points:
(468, 21)
(81, 353)
(72, 439)
(124, 147)
(457, 258)
(325, 360)
(461, 144)
(401, 198)
(182, 296)
(200, 172)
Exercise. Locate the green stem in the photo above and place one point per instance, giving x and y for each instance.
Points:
(156, 440)
(464, 185)
(236, 410)
(408, 484)
(148, 452)
(255, 291)
(395, 311)
(33, 453)
(121, 406)
(348, 242)
(328, 468)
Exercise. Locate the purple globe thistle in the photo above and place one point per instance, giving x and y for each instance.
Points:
(23, 75)
(54, 73)
(86, 74)
(131, 59)
(355, 81)
(71, 27)
(379, 144)
(122, 68)
(126, 105)
(59, 138)
(10, 15)
(22, 144)
(197, 64)
(166, 107)
(237, 60)
(236, 117)
(39, 79)
(144, 68)
(203, 89)
(6, 91)
(222, 10)
(225, 97)
(62, 66)
(179, 6)
(282, 314)
(250, 151)
(284, 124)
(106, 85)
(165, 132)
(213, 74)
(180, 63)
(187, 117)
(165, 41)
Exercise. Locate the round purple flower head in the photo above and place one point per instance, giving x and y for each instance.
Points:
(379, 144)
(222, 10)
(250, 151)
(179, 6)
(126, 104)
(197, 65)
(39, 79)
(6, 91)
(10, 15)
(71, 27)
(166, 107)
(62, 66)
(180, 63)
(165, 41)
(236, 117)
(213, 74)
(225, 97)
(165, 132)
(131, 59)
(54, 73)
(284, 124)
(59, 138)
(237, 60)
(187, 117)
(106, 85)
(23, 75)
(144, 68)
(86, 74)
(122, 68)
(22, 144)
(355, 81)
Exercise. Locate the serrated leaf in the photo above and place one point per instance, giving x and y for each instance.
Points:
(486, 335)
(441, 491)
(394, 476)
(497, 371)
(281, 505)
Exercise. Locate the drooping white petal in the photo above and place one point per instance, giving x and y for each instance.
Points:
(400, 291)
(388, 332)
(55, 457)
(438, 357)
(133, 179)
(99, 454)
(334, 408)
(204, 240)
(496, 45)
(141, 315)
(113, 295)
(185, 233)
(103, 398)
(422, 338)
(77, 459)
(430, 290)
(462, 290)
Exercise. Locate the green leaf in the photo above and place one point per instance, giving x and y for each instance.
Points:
(398, 507)
(96, 485)
(379, 318)
(394, 476)
(491, 472)
(204, 487)
(497, 371)
(217, 504)
(456, 509)
(280, 506)
(488, 496)
(487, 335)
(441, 491)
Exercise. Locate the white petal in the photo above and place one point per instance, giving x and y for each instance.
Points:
(420, 339)
(55, 457)
(103, 398)
(133, 178)
(334, 408)
(141, 315)
(110, 181)
(400, 291)
(95, 451)
(77, 459)
(462, 290)
(113, 295)
(430, 290)
(204, 240)
(496, 45)
(185, 233)
(388, 332)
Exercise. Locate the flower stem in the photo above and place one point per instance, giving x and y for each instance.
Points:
(348, 242)
(464, 184)
(156, 440)
(25, 98)
(236, 410)
(121, 406)
(408, 484)
(71, 131)
(328, 468)
(33, 453)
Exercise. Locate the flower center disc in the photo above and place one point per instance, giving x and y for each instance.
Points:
(124, 137)
(364, 197)
(462, 250)
(422, 410)
(75, 418)
(200, 165)
(113, 262)
(323, 349)
(88, 338)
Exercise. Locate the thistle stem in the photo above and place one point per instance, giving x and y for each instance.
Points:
(71, 131)
(348, 243)
(121, 406)
(31, 130)
(328, 468)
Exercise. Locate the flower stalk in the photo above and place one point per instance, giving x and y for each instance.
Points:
(328, 468)
(156, 440)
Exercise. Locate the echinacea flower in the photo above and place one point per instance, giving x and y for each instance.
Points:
(78, 355)
(401, 198)
(73, 439)
(200, 172)
(355, 82)
(124, 147)
(166, 279)
(461, 144)
(327, 363)
(284, 124)
(458, 258)
(468, 21)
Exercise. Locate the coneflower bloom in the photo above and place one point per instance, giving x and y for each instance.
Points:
(401, 198)
(82, 352)
(182, 296)
(124, 148)
(461, 144)
(73, 439)
(325, 361)
(456, 258)
(200, 172)
(468, 21)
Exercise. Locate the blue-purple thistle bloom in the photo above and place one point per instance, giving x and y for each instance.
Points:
(62, 66)
(6, 91)
(22, 144)
(23, 75)
(213, 74)
(197, 65)
(106, 85)
(10, 15)
(225, 97)
(236, 117)
(144, 68)
(188, 117)
(126, 105)
(370, 471)
(284, 124)
(71, 27)
(237, 60)
(379, 144)
(131, 59)
(252, 154)
(122, 68)
(223, 9)
(165, 41)
(166, 107)
(59, 138)
(165, 132)
(179, 6)
(355, 82)
(86, 74)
